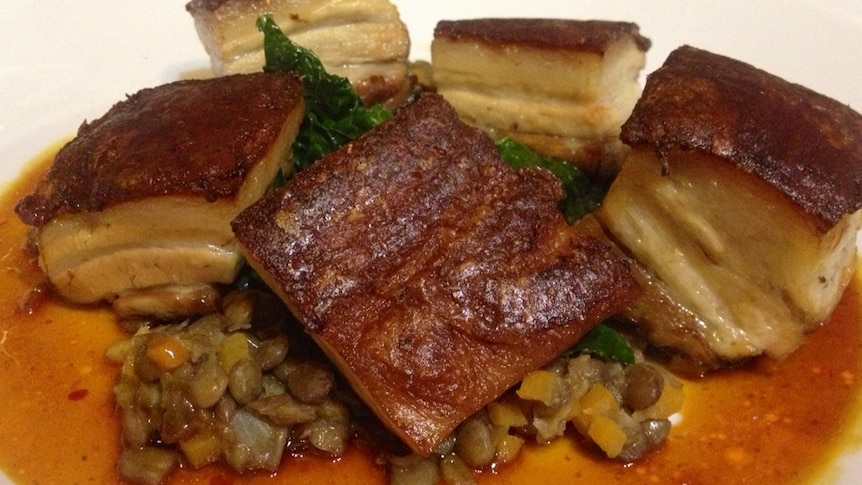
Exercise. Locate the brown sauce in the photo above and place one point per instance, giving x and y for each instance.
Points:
(771, 422)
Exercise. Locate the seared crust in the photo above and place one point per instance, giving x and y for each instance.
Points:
(805, 144)
(583, 35)
(435, 275)
(198, 138)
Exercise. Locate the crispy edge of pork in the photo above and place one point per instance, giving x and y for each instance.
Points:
(364, 41)
(805, 144)
(143, 197)
(431, 292)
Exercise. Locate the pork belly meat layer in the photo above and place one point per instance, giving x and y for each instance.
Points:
(143, 197)
(563, 87)
(433, 274)
(364, 41)
(741, 202)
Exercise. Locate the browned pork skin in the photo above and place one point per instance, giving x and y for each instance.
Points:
(137, 208)
(364, 41)
(741, 201)
(563, 87)
(433, 274)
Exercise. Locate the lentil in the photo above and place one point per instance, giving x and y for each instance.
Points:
(233, 387)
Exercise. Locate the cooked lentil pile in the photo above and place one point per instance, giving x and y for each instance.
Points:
(244, 387)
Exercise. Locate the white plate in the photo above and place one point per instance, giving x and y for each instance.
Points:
(63, 62)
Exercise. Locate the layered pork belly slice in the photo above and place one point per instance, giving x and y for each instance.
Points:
(563, 87)
(434, 275)
(741, 201)
(137, 208)
(364, 41)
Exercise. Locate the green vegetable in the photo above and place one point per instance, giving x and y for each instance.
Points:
(334, 115)
(580, 195)
(605, 343)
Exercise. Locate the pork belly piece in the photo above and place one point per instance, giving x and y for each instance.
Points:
(137, 208)
(562, 87)
(364, 41)
(741, 201)
(433, 274)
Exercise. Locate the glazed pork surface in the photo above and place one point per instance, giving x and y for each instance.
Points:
(740, 200)
(364, 41)
(136, 209)
(433, 274)
(563, 87)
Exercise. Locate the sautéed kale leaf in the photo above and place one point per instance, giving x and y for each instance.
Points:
(334, 115)
(605, 343)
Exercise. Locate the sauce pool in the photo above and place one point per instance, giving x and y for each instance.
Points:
(770, 422)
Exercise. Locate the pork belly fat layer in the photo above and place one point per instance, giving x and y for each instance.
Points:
(364, 41)
(556, 85)
(753, 269)
(143, 197)
(153, 242)
(432, 273)
(741, 202)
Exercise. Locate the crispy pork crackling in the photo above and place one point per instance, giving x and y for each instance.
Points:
(137, 208)
(433, 274)
(364, 41)
(741, 201)
(562, 87)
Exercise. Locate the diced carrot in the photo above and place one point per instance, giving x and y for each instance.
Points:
(168, 353)
(606, 433)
